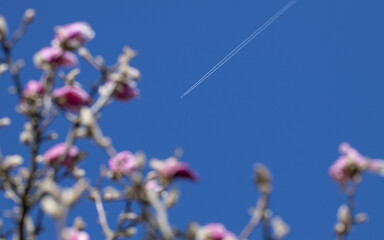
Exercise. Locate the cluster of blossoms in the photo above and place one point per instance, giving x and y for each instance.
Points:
(71, 97)
(154, 191)
(347, 171)
(41, 100)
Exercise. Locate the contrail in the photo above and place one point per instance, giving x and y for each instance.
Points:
(240, 46)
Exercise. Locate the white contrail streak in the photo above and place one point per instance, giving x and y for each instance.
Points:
(240, 46)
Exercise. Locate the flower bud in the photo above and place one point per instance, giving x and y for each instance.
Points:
(111, 193)
(125, 92)
(171, 168)
(72, 36)
(361, 218)
(123, 163)
(79, 223)
(54, 56)
(344, 217)
(29, 15)
(51, 207)
(280, 228)
(263, 178)
(3, 28)
(5, 121)
(26, 136)
(86, 117)
(131, 231)
(71, 98)
(32, 89)
(58, 151)
(3, 67)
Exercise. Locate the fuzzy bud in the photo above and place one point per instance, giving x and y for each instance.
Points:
(26, 136)
(361, 218)
(3, 68)
(86, 117)
(79, 223)
(29, 15)
(131, 231)
(280, 228)
(263, 178)
(3, 28)
(5, 121)
(192, 230)
(111, 193)
(51, 207)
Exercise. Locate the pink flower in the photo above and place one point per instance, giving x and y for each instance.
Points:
(53, 154)
(172, 168)
(123, 163)
(214, 231)
(74, 35)
(71, 98)
(350, 163)
(33, 88)
(55, 56)
(74, 234)
(153, 185)
(125, 92)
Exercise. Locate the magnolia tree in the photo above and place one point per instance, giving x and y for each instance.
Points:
(36, 186)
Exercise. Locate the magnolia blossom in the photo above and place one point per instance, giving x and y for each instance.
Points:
(53, 154)
(55, 56)
(351, 163)
(214, 231)
(172, 168)
(73, 35)
(71, 98)
(33, 88)
(347, 165)
(125, 92)
(123, 163)
(74, 234)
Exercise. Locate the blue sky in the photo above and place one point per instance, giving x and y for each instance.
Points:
(310, 81)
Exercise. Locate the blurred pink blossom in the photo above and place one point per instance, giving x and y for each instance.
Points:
(125, 92)
(53, 154)
(74, 35)
(55, 55)
(71, 98)
(153, 185)
(345, 166)
(172, 168)
(33, 88)
(124, 163)
(214, 231)
(74, 234)
(351, 163)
